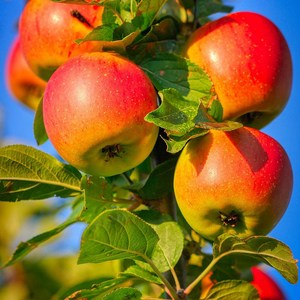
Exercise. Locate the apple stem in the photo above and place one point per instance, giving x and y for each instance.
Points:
(76, 14)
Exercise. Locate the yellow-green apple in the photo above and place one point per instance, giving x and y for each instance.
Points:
(94, 107)
(21, 81)
(49, 30)
(238, 182)
(249, 63)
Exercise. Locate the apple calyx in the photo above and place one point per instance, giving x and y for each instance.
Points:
(76, 14)
(111, 151)
(230, 219)
(250, 117)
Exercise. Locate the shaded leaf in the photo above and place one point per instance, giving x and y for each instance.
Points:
(117, 234)
(98, 289)
(232, 289)
(153, 187)
(39, 130)
(209, 7)
(124, 293)
(265, 249)
(98, 196)
(28, 174)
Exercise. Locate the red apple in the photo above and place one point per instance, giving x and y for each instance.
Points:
(94, 108)
(238, 182)
(267, 287)
(23, 84)
(249, 63)
(49, 30)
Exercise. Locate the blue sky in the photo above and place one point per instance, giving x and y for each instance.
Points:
(17, 120)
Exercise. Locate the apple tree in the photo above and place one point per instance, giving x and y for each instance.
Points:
(155, 111)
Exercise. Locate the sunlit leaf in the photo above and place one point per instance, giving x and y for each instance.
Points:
(170, 246)
(138, 272)
(28, 174)
(265, 249)
(167, 70)
(117, 234)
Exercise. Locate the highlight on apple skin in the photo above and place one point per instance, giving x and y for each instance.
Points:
(238, 182)
(49, 31)
(94, 108)
(249, 63)
(23, 84)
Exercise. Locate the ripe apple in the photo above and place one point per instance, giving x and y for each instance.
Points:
(94, 108)
(249, 63)
(48, 32)
(238, 182)
(266, 286)
(23, 84)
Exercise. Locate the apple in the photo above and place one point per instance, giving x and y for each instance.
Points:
(49, 30)
(94, 107)
(238, 182)
(23, 84)
(249, 63)
(266, 286)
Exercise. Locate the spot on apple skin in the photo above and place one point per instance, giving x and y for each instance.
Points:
(112, 151)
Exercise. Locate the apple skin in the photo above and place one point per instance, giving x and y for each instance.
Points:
(249, 63)
(94, 107)
(238, 182)
(48, 32)
(23, 84)
(266, 286)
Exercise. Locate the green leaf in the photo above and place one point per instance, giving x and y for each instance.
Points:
(216, 110)
(153, 187)
(147, 12)
(208, 7)
(184, 119)
(29, 174)
(265, 249)
(25, 248)
(165, 29)
(138, 272)
(232, 289)
(167, 70)
(98, 289)
(124, 293)
(170, 246)
(117, 234)
(40, 133)
(98, 196)
(175, 114)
